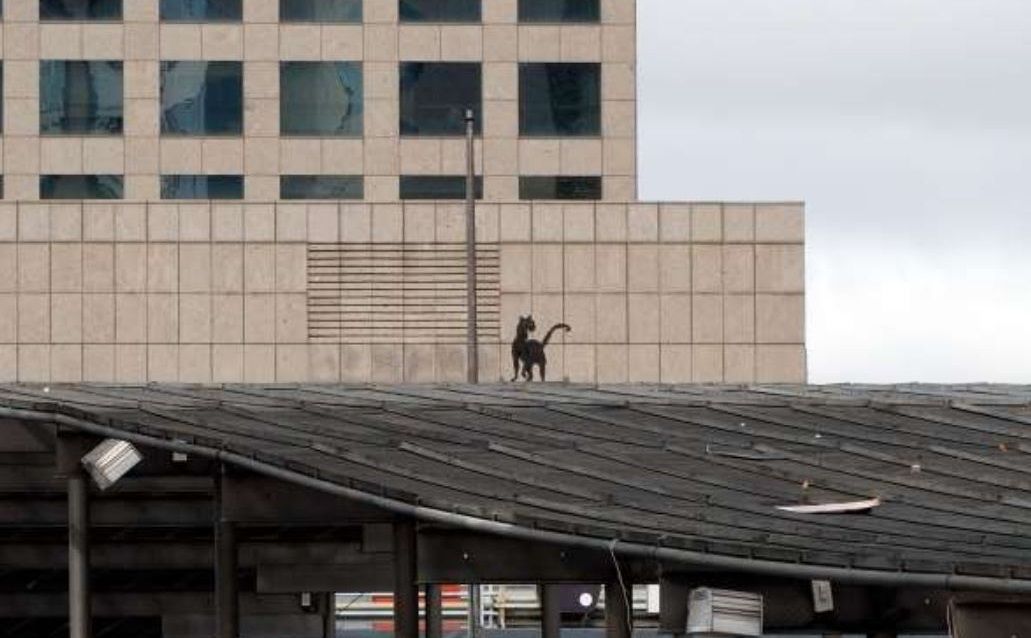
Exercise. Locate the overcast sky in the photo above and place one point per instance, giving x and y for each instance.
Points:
(906, 127)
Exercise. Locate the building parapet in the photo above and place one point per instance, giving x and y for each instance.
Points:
(358, 292)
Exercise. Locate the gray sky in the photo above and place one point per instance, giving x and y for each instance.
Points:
(906, 127)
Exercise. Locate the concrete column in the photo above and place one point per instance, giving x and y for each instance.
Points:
(617, 613)
(406, 590)
(551, 611)
(227, 599)
(434, 611)
(79, 615)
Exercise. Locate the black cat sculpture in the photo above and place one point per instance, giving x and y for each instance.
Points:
(527, 352)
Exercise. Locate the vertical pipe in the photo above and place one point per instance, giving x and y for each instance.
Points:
(227, 611)
(79, 616)
(617, 613)
(471, 339)
(329, 615)
(434, 611)
(551, 611)
(406, 590)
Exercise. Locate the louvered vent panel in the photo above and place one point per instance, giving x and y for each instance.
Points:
(390, 293)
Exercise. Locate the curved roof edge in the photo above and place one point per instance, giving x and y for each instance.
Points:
(483, 525)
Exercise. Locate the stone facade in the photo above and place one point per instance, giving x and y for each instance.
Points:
(358, 291)
(261, 155)
(220, 292)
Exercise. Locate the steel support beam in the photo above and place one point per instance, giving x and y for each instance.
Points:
(406, 589)
(551, 610)
(473, 612)
(227, 599)
(79, 615)
(618, 619)
(434, 611)
(673, 606)
(329, 615)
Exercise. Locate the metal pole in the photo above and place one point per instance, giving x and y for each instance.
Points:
(406, 590)
(551, 612)
(434, 611)
(78, 556)
(617, 619)
(227, 609)
(473, 623)
(471, 341)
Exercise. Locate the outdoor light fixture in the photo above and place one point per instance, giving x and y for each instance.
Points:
(110, 461)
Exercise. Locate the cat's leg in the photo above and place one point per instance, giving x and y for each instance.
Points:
(544, 366)
(515, 366)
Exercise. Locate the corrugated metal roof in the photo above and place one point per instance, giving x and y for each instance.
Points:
(700, 468)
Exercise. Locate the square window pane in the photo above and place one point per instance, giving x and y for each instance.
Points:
(201, 10)
(559, 11)
(560, 187)
(321, 187)
(320, 98)
(437, 187)
(80, 187)
(320, 10)
(201, 98)
(201, 187)
(80, 9)
(435, 96)
(439, 10)
(80, 97)
(560, 99)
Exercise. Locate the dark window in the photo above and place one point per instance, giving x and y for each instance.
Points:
(320, 10)
(437, 187)
(321, 187)
(435, 96)
(80, 187)
(563, 187)
(320, 98)
(201, 187)
(559, 11)
(80, 9)
(201, 10)
(80, 97)
(201, 98)
(560, 99)
(440, 10)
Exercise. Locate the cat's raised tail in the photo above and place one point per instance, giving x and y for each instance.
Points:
(557, 326)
